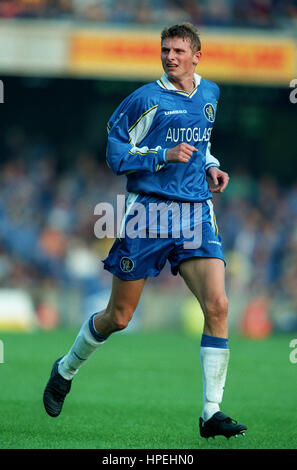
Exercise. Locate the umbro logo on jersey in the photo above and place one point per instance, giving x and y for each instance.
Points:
(175, 111)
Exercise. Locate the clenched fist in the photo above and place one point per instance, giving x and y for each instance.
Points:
(180, 153)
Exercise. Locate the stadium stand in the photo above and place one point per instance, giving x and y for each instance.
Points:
(47, 217)
(222, 13)
(47, 227)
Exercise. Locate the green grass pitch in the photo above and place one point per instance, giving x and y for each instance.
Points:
(143, 391)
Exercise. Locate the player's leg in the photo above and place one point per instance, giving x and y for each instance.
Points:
(93, 333)
(206, 279)
(123, 301)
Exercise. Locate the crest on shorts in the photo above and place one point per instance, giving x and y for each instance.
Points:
(209, 112)
(126, 264)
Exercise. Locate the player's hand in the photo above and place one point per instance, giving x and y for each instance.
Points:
(219, 178)
(180, 153)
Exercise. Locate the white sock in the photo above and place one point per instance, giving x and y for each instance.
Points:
(214, 363)
(87, 341)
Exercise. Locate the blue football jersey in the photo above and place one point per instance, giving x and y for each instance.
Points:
(151, 120)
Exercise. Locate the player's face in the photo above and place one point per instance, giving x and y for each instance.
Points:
(178, 59)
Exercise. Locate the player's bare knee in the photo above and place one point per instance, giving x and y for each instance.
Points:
(120, 316)
(217, 308)
(120, 323)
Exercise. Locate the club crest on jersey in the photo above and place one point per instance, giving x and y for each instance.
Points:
(209, 112)
(126, 264)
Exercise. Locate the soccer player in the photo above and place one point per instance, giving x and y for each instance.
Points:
(159, 137)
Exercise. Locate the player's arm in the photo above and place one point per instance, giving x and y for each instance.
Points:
(219, 178)
(212, 165)
(210, 160)
(126, 129)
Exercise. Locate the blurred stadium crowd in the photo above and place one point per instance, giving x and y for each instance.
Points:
(230, 13)
(47, 227)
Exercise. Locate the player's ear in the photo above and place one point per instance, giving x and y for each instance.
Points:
(197, 57)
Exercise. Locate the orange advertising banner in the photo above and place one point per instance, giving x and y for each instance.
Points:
(136, 55)
(243, 59)
(116, 54)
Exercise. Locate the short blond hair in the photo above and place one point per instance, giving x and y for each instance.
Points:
(184, 31)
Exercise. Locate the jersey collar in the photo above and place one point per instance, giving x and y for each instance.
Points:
(165, 83)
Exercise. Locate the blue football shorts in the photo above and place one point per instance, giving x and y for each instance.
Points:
(154, 230)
